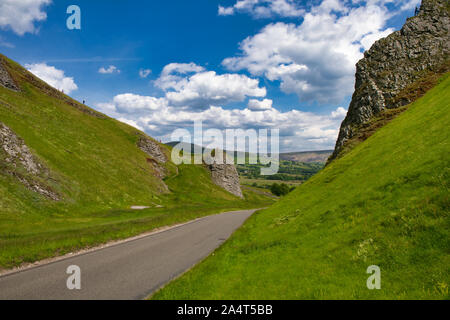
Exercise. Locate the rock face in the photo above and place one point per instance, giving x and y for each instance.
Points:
(395, 63)
(227, 177)
(16, 158)
(153, 149)
(156, 160)
(5, 78)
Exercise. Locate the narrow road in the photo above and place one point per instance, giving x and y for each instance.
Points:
(129, 270)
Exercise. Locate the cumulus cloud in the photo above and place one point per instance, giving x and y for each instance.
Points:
(144, 73)
(173, 75)
(132, 103)
(264, 8)
(316, 59)
(339, 113)
(254, 104)
(54, 77)
(20, 15)
(226, 11)
(410, 4)
(299, 130)
(110, 70)
(191, 86)
(192, 93)
(131, 123)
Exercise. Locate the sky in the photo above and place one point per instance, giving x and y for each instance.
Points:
(232, 64)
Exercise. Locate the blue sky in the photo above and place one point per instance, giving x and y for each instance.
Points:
(232, 64)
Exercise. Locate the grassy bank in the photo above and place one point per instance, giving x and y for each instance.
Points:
(385, 203)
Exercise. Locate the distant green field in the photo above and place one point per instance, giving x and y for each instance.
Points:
(288, 171)
(98, 171)
(384, 203)
(292, 173)
(265, 184)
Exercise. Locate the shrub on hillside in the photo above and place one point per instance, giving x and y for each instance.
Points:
(280, 189)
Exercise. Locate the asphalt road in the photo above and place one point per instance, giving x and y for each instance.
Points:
(129, 270)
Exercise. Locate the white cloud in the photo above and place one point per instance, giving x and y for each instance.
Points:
(224, 11)
(132, 103)
(299, 130)
(144, 73)
(53, 77)
(20, 15)
(264, 8)
(193, 93)
(131, 123)
(368, 40)
(191, 86)
(110, 70)
(339, 113)
(410, 4)
(173, 75)
(316, 59)
(255, 105)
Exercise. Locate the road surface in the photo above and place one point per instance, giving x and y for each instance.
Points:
(128, 270)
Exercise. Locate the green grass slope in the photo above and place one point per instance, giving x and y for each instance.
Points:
(98, 171)
(385, 203)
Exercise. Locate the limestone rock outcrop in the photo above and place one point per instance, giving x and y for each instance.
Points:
(227, 177)
(396, 62)
(5, 79)
(152, 148)
(18, 161)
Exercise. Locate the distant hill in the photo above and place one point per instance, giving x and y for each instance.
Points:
(302, 156)
(307, 156)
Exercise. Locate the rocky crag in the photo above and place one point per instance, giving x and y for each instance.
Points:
(5, 78)
(223, 173)
(157, 158)
(18, 161)
(398, 69)
(152, 148)
(227, 177)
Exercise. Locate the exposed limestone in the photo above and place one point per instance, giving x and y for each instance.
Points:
(227, 177)
(17, 158)
(158, 158)
(153, 149)
(17, 151)
(5, 78)
(395, 63)
(224, 175)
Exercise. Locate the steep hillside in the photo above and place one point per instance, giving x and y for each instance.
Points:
(384, 203)
(396, 71)
(69, 175)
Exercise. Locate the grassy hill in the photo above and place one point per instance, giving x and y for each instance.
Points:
(93, 164)
(384, 203)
